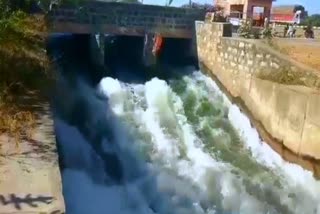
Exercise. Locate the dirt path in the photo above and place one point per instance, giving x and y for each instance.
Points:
(302, 50)
(30, 180)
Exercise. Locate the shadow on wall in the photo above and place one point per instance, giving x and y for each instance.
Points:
(178, 52)
(128, 50)
(124, 58)
(32, 201)
(125, 50)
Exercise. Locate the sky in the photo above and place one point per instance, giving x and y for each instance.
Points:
(312, 6)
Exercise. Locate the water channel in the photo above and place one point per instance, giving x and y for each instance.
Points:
(174, 144)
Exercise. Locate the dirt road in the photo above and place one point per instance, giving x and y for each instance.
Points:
(306, 51)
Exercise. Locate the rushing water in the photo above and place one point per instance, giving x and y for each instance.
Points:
(183, 148)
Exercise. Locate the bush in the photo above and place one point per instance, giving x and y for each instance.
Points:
(22, 53)
(313, 20)
(23, 67)
(245, 29)
(16, 123)
(267, 33)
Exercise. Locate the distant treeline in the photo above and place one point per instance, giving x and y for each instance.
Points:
(313, 20)
(207, 7)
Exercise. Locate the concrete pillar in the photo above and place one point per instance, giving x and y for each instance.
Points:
(148, 58)
(193, 45)
(97, 44)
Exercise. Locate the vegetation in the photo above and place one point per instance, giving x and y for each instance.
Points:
(245, 29)
(206, 7)
(23, 65)
(267, 33)
(289, 77)
(131, 1)
(310, 57)
(313, 20)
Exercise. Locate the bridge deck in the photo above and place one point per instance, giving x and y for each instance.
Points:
(125, 19)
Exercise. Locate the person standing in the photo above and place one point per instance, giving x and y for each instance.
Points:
(294, 29)
(266, 22)
(290, 31)
(286, 28)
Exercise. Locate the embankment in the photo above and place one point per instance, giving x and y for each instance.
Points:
(30, 180)
(279, 93)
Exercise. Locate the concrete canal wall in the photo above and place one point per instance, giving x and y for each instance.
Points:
(280, 93)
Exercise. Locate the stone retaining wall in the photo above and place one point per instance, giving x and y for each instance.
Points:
(281, 94)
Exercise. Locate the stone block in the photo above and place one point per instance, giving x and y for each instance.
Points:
(275, 65)
(235, 51)
(259, 56)
(245, 69)
(268, 56)
(249, 55)
(249, 45)
(263, 64)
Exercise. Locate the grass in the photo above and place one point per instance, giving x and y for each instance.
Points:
(301, 51)
(16, 123)
(275, 45)
(23, 68)
(309, 56)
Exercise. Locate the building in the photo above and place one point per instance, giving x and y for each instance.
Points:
(257, 10)
(288, 14)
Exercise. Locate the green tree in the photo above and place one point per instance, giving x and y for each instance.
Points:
(313, 20)
(130, 1)
(9, 6)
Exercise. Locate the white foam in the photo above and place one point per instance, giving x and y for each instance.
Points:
(153, 108)
(296, 176)
(159, 97)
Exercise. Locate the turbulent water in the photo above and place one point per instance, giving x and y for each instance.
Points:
(183, 148)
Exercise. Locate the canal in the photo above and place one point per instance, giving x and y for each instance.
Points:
(136, 143)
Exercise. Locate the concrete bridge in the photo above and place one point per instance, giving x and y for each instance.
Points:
(96, 18)
(125, 19)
